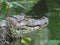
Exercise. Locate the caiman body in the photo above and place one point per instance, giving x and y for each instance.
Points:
(21, 22)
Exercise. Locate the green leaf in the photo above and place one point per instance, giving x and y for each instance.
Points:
(9, 4)
(4, 7)
(16, 3)
(23, 41)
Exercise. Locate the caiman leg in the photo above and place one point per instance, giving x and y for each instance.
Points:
(3, 37)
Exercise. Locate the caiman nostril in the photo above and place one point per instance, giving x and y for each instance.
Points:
(18, 21)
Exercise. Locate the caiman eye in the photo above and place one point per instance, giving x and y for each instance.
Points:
(18, 21)
(18, 29)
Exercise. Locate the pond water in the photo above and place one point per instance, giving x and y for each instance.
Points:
(54, 26)
(38, 38)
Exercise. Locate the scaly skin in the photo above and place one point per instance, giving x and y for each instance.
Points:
(10, 28)
(3, 36)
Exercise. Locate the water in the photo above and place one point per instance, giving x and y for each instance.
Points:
(38, 38)
(54, 26)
